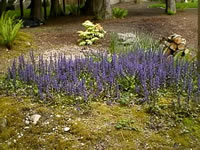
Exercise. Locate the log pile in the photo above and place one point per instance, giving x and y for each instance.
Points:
(174, 44)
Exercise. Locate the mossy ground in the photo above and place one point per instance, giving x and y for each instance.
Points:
(98, 126)
(24, 43)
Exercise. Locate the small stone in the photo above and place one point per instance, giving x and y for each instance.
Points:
(58, 116)
(66, 129)
(35, 118)
(26, 127)
(27, 122)
(46, 123)
(14, 141)
(28, 43)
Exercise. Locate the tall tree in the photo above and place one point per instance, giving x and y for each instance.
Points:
(55, 8)
(99, 8)
(36, 10)
(3, 4)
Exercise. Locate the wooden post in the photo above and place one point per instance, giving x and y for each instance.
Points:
(64, 10)
(21, 8)
(45, 10)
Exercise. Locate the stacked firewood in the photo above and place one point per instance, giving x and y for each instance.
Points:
(174, 44)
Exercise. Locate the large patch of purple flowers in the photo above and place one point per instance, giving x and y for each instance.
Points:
(138, 72)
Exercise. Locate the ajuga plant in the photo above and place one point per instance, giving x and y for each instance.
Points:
(119, 13)
(143, 74)
(9, 28)
(92, 33)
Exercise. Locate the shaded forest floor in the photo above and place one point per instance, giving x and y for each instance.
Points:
(60, 35)
(98, 125)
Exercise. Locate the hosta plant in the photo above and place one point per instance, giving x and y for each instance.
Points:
(9, 29)
(92, 33)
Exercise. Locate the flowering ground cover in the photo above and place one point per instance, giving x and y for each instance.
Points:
(139, 99)
(140, 74)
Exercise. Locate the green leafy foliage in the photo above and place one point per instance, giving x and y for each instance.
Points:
(184, 55)
(92, 33)
(125, 124)
(9, 29)
(170, 12)
(141, 40)
(73, 9)
(119, 12)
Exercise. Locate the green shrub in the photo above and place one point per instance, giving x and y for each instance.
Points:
(92, 33)
(73, 9)
(119, 12)
(9, 29)
(170, 12)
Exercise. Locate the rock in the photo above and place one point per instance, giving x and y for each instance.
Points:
(66, 129)
(58, 116)
(26, 127)
(3, 123)
(35, 118)
(28, 43)
(27, 122)
(126, 38)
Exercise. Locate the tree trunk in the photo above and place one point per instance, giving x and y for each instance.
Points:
(171, 6)
(2, 6)
(198, 51)
(36, 10)
(21, 8)
(45, 9)
(55, 8)
(166, 5)
(99, 8)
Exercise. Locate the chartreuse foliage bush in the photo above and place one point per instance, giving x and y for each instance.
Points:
(139, 75)
(9, 28)
(119, 12)
(92, 33)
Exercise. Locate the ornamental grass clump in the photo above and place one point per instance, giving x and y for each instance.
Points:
(146, 75)
(9, 29)
(93, 33)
